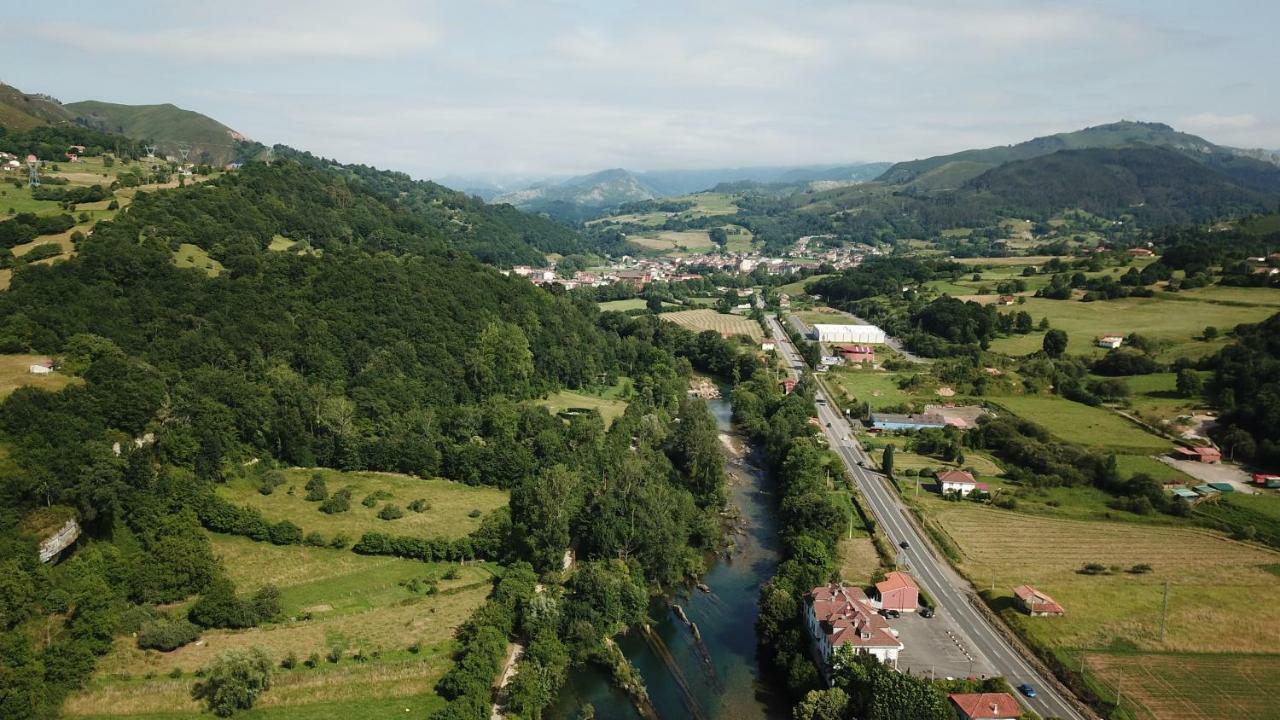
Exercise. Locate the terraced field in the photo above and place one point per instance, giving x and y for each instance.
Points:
(699, 320)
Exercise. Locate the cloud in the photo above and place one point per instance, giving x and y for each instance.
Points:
(294, 37)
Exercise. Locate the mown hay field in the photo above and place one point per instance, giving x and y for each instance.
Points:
(1182, 686)
(699, 320)
(15, 373)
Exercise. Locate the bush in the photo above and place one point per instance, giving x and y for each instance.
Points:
(167, 634)
(289, 662)
(1093, 569)
(373, 498)
(341, 541)
(338, 502)
(452, 573)
(474, 514)
(420, 505)
(390, 512)
(285, 533)
(314, 539)
(312, 661)
(335, 654)
(316, 489)
(234, 682)
(1140, 569)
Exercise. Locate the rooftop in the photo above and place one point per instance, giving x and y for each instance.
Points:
(956, 476)
(895, 581)
(1034, 598)
(987, 705)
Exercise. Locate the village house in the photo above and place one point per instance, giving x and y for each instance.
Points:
(841, 615)
(767, 346)
(985, 706)
(1110, 341)
(957, 481)
(1035, 603)
(898, 592)
(1005, 300)
(892, 421)
(43, 368)
(1198, 454)
(856, 353)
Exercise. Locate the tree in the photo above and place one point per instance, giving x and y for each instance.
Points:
(234, 682)
(829, 704)
(1210, 333)
(1189, 383)
(886, 460)
(1055, 343)
(316, 489)
(653, 304)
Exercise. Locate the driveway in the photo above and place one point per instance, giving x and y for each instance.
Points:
(1210, 472)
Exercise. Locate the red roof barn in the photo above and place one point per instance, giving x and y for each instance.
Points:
(1036, 603)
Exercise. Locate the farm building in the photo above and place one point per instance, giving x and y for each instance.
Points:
(1198, 454)
(898, 592)
(957, 481)
(1266, 480)
(1207, 490)
(891, 421)
(1005, 300)
(848, 334)
(43, 368)
(1185, 494)
(1035, 603)
(839, 615)
(856, 353)
(985, 706)
(1110, 341)
(768, 346)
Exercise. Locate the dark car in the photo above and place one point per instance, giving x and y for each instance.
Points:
(1026, 689)
(904, 544)
(926, 612)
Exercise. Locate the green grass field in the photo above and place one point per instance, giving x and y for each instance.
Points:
(354, 603)
(1084, 425)
(628, 304)
(700, 320)
(1191, 686)
(610, 402)
(796, 289)
(450, 514)
(674, 242)
(15, 373)
(191, 256)
(1178, 321)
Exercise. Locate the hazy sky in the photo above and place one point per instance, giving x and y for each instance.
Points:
(498, 86)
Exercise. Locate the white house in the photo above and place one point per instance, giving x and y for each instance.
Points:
(957, 481)
(41, 368)
(841, 615)
(869, 334)
(1110, 341)
(767, 346)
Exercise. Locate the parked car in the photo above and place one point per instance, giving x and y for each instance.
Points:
(1026, 689)
(926, 612)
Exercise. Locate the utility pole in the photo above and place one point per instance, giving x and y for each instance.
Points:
(1164, 611)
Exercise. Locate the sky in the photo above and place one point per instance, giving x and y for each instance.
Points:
(519, 87)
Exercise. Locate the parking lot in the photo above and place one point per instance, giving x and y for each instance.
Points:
(931, 647)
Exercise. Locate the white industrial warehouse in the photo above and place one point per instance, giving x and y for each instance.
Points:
(848, 334)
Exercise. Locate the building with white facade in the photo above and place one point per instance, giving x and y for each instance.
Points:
(869, 334)
(842, 615)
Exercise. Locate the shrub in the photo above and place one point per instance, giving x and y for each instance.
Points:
(314, 539)
(234, 682)
(390, 512)
(420, 505)
(373, 498)
(1093, 569)
(338, 502)
(289, 662)
(1140, 568)
(166, 634)
(316, 489)
(312, 661)
(341, 541)
(285, 533)
(335, 654)
(474, 514)
(452, 573)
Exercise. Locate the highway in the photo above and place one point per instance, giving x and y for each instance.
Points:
(951, 592)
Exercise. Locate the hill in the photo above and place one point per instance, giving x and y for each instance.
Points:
(24, 111)
(606, 188)
(169, 126)
(951, 171)
(1151, 183)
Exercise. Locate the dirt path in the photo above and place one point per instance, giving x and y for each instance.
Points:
(499, 709)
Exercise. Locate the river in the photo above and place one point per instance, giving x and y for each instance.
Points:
(719, 678)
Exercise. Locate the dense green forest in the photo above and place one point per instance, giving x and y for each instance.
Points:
(382, 346)
(1246, 386)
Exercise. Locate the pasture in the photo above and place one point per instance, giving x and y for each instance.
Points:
(674, 242)
(628, 304)
(450, 512)
(1187, 686)
(15, 373)
(610, 402)
(700, 320)
(330, 598)
(1208, 576)
(192, 256)
(1082, 424)
(1177, 318)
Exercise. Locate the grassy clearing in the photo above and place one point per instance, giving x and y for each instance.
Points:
(670, 241)
(699, 320)
(880, 389)
(15, 373)
(610, 402)
(1130, 465)
(1084, 425)
(191, 256)
(1209, 577)
(1177, 321)
(450, 514)
(356, 603)
(628, 304)
(797, 288)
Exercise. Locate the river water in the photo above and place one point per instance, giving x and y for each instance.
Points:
(718, 678)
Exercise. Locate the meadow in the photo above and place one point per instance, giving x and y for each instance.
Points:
(628, 304)
(1223, 684)
(15, 373)
(455, 509)
(699, 320)
(1085, 425)
(610, 402)
(330, 599)
(193, 256)
(674, 242)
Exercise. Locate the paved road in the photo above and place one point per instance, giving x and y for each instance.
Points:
(892, 342)
(950, 591)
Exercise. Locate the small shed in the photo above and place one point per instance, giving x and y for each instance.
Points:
(1222, 487)
(1206, 490)
(1185, 494)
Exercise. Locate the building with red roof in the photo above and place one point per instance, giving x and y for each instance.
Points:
(1199, 454)
(985, 706)
(856, 353)
(898, 592)
(842, 615)
(1036, 603)
(957, 481)
(788, 385)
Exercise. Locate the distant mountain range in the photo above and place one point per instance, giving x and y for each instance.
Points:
(944, 172)
(609, 188)
(168, 126)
